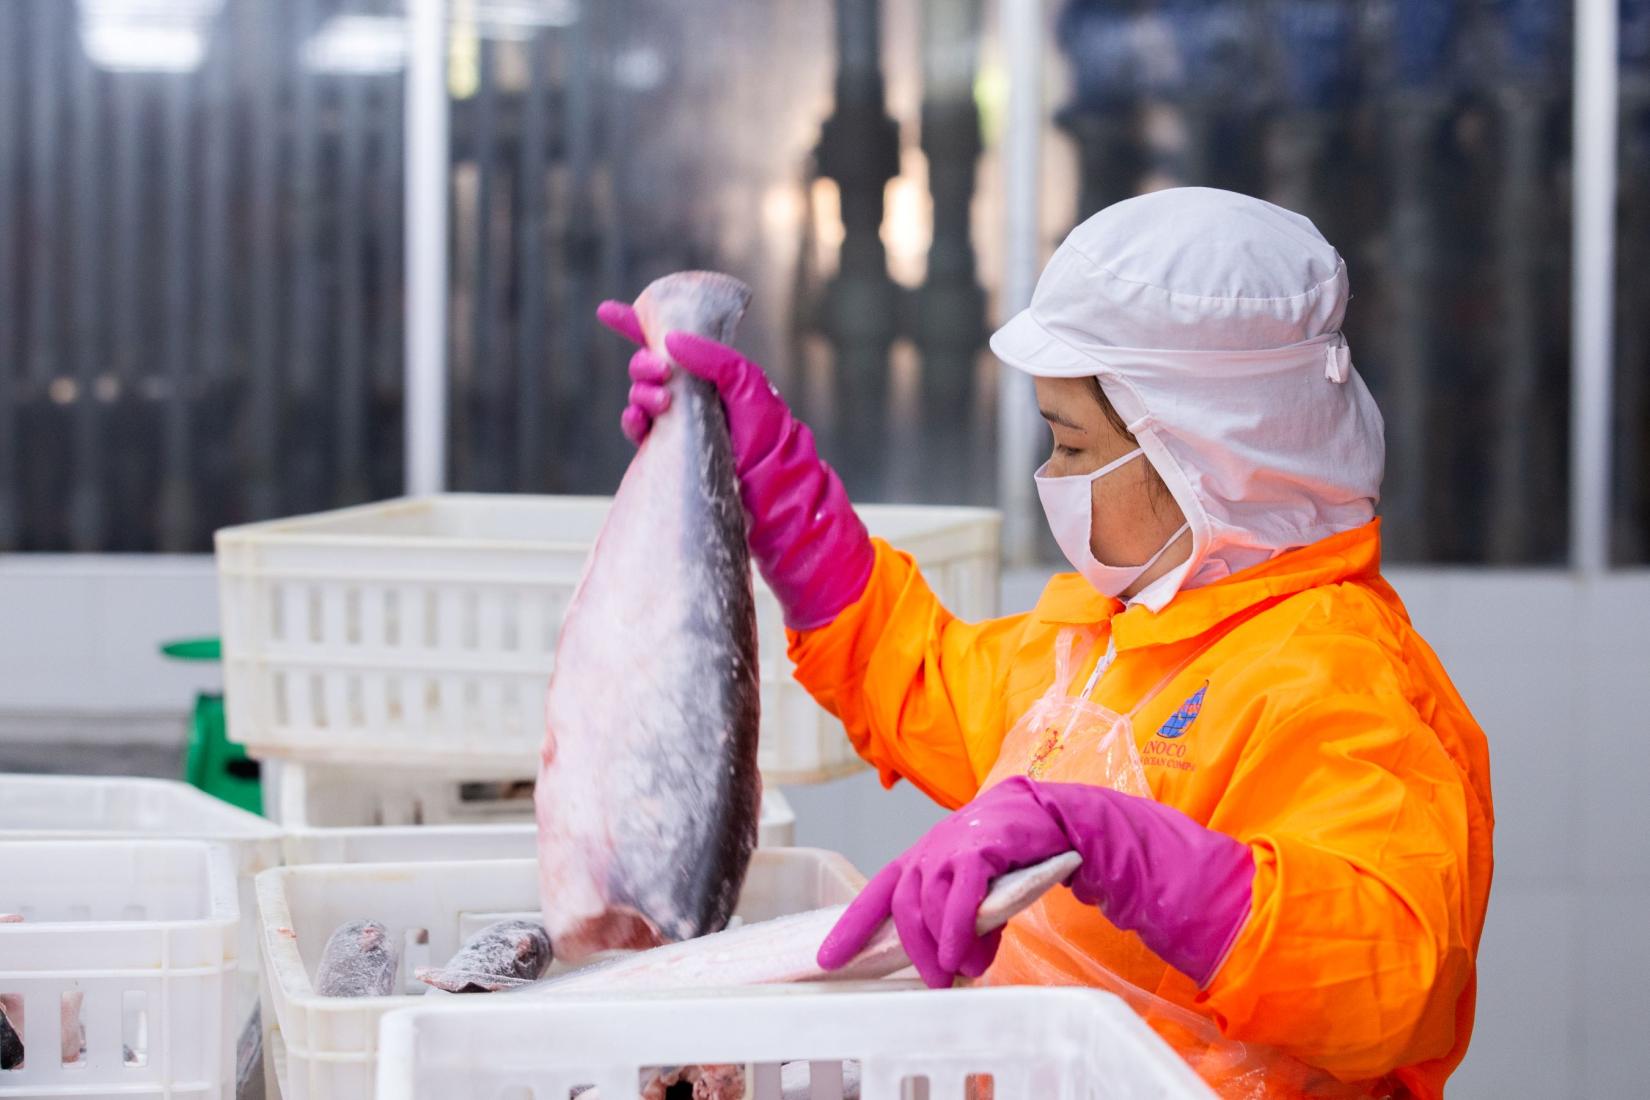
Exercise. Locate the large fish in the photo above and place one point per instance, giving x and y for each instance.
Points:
(648, 792)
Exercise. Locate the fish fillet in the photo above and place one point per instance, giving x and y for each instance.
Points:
(786, 949)
(648, 793)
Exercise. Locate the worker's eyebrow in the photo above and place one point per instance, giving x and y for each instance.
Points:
(1056, 418)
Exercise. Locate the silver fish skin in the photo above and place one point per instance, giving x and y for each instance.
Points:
(648, 792)
(358, 961)
(503, 955)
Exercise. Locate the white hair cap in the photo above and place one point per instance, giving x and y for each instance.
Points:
(1212, 321)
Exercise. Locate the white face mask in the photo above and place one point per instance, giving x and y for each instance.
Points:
(1068, 502)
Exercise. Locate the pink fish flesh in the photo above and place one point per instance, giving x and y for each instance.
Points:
(648, 793)
(785, 949)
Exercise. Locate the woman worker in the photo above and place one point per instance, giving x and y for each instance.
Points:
(1304, 864)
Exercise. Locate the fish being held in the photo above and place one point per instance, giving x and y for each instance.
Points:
(357, 961)
(505, 954)
(648, 793)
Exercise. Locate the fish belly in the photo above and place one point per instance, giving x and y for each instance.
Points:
(648, 792)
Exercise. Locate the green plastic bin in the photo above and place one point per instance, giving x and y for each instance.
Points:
(213, 763)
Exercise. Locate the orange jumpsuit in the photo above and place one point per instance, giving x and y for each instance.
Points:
(1327, 738)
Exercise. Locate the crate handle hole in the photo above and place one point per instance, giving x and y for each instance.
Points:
(686, 1082)
(11, 1032)
(827, 1080)
(134, 1027)
(73, 1029)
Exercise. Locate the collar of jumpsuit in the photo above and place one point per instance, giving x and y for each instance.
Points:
(1355, 554)
(1212, 321)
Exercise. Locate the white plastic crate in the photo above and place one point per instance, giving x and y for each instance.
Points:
(1032, 1044)
(423, 630)
(144, 934)
(325, 1048)
(85, 807)
(339, 814)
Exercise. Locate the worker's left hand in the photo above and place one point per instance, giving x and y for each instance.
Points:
(1183, 888)
(804, 534)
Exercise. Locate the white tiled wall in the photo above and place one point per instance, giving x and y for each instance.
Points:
(1557, 671)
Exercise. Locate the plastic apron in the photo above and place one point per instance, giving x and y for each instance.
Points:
(1066, 738)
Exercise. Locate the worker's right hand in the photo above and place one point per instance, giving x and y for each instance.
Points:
(804, 534)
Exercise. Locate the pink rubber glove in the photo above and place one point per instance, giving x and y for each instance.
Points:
(1150, 869)
(805, 536)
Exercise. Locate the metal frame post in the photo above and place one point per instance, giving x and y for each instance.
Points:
(1592, 281)
(427, 174)
(1020, 25)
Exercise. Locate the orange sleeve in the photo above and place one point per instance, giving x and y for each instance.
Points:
(920, 691)
(1358, 945)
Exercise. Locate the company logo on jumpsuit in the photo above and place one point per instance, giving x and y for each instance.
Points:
(1166, 750)
(1181, 720)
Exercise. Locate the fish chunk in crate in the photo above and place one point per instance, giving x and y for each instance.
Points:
(321, 1048)
(118, 978)
(343, 814)
(790, 1044)
(95, 807)
(423, 630)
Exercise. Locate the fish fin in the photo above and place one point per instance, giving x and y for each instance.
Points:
(617, 928)
(466, 981)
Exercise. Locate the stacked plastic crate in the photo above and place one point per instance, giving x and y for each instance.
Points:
(123, 962)
(415, 637)
(387, 665)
